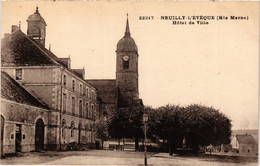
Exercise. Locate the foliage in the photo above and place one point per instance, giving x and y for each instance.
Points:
(102, 130)
(199, 125)
(118, 124)
(127, 123)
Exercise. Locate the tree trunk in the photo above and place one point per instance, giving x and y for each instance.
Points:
(119, 141)
(195, 148)
(136, 143)
(172, 146)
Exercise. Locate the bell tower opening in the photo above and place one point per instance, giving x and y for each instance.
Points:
(37, 27)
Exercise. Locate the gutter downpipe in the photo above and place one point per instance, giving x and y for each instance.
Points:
(60, 109)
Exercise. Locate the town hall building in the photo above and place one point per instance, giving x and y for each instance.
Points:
(47, 105)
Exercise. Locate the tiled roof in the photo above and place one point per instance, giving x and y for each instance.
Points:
(79, 72)
(19, 50)
(11, 90)
(106, 89)
(246, 139)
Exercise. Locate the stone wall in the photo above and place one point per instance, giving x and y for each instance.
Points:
(26, 116)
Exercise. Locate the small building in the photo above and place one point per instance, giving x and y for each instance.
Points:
(244, 144)
(26, 119)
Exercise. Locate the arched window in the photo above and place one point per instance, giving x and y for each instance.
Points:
(80, 125)
(72, 129)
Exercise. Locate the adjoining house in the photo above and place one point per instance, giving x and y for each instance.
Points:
(25, 118)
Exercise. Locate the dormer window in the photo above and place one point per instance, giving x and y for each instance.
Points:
(18, 74)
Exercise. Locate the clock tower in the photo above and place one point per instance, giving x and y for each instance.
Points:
(127, 70)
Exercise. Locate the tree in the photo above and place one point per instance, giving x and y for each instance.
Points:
(127, 123)
(118, 124)
(164, 124)
(102, 130)
(199, 125)
(205, 126)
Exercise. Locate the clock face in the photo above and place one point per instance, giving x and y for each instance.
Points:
(125, 58)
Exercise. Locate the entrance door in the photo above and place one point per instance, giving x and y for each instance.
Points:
(18, 138)
(80, 126)
(39, 135)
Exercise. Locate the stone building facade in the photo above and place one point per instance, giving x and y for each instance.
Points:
(68, 105)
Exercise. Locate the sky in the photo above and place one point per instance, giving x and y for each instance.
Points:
(215, 64)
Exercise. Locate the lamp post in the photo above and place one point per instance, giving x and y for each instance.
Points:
(145, 119)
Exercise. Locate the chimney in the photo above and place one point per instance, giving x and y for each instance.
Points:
(7, 35)
(14, 28)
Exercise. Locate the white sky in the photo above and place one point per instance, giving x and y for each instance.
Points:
(214, 65)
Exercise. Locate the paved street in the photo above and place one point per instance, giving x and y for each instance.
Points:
(106, 157)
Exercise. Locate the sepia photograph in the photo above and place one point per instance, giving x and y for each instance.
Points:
(129, 83)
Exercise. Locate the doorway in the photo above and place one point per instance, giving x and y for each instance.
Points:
(18, 138)
(39, 135)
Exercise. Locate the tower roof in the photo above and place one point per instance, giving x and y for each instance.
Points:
(36, 17)
(127, 43)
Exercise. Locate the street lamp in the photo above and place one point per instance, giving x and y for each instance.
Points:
(145, 119)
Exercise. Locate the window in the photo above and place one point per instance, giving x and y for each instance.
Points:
(84, 91)
(73, 105)
(80, 108)
(73, 85)
(86, 110)
(64, 102)
(18, 74)
(80, 89)
(87, 92)
(64, 80)
(93, 95)
(125, 64)
(94, 112)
